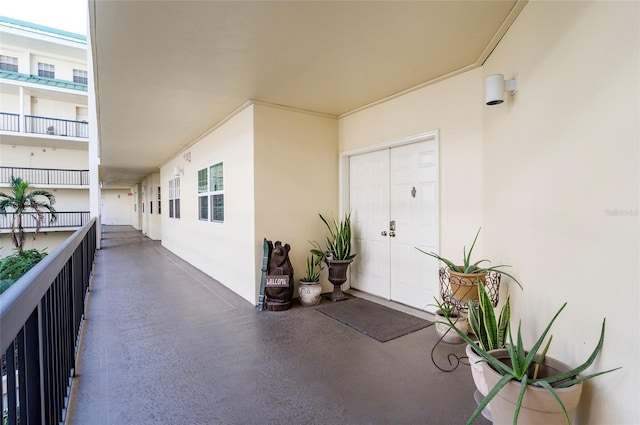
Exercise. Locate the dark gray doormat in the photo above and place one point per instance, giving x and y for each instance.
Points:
(375, 320)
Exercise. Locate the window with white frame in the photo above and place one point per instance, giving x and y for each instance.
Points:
(80, 76)
(8, 63)
(46, 70)
(174, 197)
(211, 193)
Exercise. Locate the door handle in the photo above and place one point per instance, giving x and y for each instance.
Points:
(392, 234)
(383, 233)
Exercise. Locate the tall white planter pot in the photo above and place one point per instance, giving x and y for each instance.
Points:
(479, 380)
(538, 406)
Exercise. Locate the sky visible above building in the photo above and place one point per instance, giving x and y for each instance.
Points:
(67, 15)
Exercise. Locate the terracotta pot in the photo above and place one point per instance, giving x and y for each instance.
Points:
(309, 293)
(447, 334)
(538, 405)
(464, 286)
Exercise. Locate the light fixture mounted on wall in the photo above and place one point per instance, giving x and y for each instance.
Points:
(177, 171)
(495, 86)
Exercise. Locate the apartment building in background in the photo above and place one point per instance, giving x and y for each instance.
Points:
(44, 125)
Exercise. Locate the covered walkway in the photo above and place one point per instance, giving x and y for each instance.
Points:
(164, 343)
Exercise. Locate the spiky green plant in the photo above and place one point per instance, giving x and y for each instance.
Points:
(24, 200)
(490, 331)
(469, 267)
(338, 243)
(313, 267)
(14, 266)
(523, 368)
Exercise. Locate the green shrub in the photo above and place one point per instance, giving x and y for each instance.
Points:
(17, 264)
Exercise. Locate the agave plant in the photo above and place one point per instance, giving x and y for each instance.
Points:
(490, 331)
(469, 267)
(338, 243)
(524, 368)
(313, 267)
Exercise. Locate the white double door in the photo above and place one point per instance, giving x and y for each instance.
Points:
(394, 204)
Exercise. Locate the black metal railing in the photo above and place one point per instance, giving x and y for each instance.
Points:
(41, 319)
(9, 122)
(52, 176)
(56, 126)
(64, 219)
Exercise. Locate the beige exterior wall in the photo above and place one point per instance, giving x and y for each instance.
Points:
(115, 207)
(151, 220)
(296, 177)
(226, 250)
(559, 157)
(280, 171)
(43, 157)
(48, 240)
(454, 108)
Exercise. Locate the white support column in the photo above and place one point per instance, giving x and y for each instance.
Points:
(94, 144)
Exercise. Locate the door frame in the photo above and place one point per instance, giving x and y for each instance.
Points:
(343, 168)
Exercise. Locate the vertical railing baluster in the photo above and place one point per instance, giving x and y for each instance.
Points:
(12, 402)
(32, 363)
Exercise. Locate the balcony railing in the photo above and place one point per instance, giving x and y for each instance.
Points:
(41, 317)
(51, 176)
(44, 125)
(9, 122)
(55, 126)
(65, 219)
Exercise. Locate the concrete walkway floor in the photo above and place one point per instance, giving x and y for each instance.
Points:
(163, 343)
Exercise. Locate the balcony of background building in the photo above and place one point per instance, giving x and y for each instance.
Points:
(45, 176)
(44, 125)
(65, 221)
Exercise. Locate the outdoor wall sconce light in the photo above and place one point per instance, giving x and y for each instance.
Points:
(495, 86)
(177, 171)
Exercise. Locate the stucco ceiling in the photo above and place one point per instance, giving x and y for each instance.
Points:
(167, 71)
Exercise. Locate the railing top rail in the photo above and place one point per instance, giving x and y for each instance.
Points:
(18, 302)
(9, 113)
(43, 169)
(56, 119)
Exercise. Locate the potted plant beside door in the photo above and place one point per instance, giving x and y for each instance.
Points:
(309, 288)
(337, 253)
(464, 278)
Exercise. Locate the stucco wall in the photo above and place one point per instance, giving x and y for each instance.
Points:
(296, 177)
(115, 207)
(151, 220)
(454, 107)
(560, 158)
(225, 251)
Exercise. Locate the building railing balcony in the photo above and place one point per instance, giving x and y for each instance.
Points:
(41, 317)
(64, 220)
(44, 125)
(45, 176)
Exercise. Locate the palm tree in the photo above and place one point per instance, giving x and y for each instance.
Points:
(22, 200)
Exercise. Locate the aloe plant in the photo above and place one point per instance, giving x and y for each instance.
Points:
(523, 368)
(467, 266)
(313, 267)
(490, 331)
(338, 243)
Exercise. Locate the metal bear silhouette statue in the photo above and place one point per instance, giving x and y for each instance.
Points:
(279, 298)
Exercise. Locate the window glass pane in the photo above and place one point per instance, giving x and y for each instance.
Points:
(170, 208)
(217, 207)
(215, 172)
(8, 63)
(46, 70)
(202, 180)
(203, 208)
(80, 76)
(177, 208)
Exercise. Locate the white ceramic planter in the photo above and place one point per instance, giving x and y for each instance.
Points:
(309, 293)
(538, 406)
(479, 380)
(447, 334)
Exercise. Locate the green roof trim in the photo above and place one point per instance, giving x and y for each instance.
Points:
(34, 79)
(42, 28)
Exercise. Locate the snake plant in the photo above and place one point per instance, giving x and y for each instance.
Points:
(469, 267)
(338, 243)
(313, 267)
(490, 331)
(523, 368)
